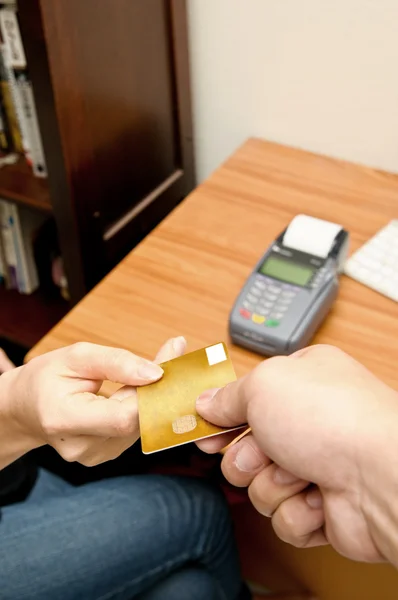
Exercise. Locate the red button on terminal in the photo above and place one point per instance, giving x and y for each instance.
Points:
(245, 313)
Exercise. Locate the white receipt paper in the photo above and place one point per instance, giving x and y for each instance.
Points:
(311, 235)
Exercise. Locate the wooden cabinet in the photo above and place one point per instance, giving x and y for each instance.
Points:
(112, 89)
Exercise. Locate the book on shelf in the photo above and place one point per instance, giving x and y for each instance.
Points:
(7, 93)
(10, 257)
(29, 252)
(5, 145)
(19, 227)
(2, 261)
(17, 93)
(5, 279)
(25, 91)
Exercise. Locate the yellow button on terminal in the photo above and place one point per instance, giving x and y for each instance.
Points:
(258, 319)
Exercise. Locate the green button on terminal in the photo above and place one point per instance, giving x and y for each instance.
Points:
(272, 323)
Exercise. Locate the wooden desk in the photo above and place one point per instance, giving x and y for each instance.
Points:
(184, 277)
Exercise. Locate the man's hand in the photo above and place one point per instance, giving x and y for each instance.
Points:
(317, 416)
(54, 400)
(5, 363)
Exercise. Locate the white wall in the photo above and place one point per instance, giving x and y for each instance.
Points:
(317, 74)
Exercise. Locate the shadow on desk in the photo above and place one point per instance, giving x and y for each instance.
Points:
(132, 462)
(320, 570)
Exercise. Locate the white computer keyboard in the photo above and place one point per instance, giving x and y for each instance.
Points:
(375, 264)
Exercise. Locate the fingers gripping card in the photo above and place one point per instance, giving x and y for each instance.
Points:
(167, 412)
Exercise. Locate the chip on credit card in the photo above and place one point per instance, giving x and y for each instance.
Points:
(167, 408)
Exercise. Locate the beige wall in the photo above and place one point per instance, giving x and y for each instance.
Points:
(317, 74)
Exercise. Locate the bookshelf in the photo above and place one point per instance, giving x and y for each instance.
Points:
(18, 183)
(111, 85)
(26, 319)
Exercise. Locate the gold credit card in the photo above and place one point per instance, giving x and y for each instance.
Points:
(236, 440)
(167, 408)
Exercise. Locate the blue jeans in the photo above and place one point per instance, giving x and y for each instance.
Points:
(149, 537)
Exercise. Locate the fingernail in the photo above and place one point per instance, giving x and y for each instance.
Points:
(207, 396)
(282, 477)
(314, 499)
(247, 459)
(179, 344)
(150, 371)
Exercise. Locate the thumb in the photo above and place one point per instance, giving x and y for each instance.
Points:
(226, 407)
(99, 363)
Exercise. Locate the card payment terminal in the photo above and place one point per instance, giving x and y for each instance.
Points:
(291, 289)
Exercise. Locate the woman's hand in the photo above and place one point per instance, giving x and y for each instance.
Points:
(54, 400)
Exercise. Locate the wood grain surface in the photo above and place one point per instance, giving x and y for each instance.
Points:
(185, 276)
